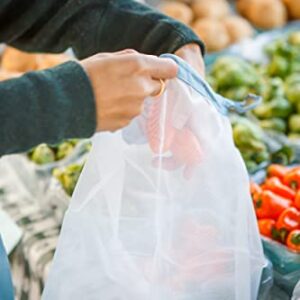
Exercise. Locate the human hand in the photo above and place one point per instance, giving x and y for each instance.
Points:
(121, 81)
(191, 53)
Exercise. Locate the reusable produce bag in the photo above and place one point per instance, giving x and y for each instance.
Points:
(162, 209)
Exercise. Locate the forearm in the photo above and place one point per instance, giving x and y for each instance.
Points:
(46, 107)
(90, 26)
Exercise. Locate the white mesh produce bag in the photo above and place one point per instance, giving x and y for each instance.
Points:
(162, 209)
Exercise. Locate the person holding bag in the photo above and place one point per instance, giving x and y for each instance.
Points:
(102, 92)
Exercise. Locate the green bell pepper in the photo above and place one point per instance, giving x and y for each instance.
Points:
(275, 124)
(294, 123)
(292, 88)
(275, 88)
(276, 108)
(245, 138)
(236, 93)
(232, 71)
(251, 165)
(261, 156)
(279, 66)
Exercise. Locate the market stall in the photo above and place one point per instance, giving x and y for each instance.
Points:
(246, 54)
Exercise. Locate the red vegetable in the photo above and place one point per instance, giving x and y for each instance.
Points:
(266, 227)
(292, 178)
(261, 206)
(289, 219)
(297, 200)
(293, 240)
(270, 205)
(275, 185)
(254, 188)
(278, 171)
(280, 235)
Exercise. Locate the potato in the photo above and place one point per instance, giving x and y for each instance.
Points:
(211, 9)
(293, 7)
(243, 6)
(178, 11)
(267, 14)
(238, 28)
(45, 61)
(17, 61)
(213, 33)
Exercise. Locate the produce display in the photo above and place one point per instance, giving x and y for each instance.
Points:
(277, 205)
(234, 78)
(249, 139)
(278, 82)
(253, 145)
(212, 20)
(15, 62)
(45, 154)
(284, 56)
(218, 24)
(274, 12)
(68, 176)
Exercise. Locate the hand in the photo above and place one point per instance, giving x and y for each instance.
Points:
(191, 53)
(121, 81)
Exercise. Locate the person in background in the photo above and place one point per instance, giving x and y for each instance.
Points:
(118, 43)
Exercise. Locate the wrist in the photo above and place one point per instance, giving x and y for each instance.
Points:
(192, 54)
(194, 48)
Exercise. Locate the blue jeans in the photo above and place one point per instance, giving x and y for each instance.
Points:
(6, 287)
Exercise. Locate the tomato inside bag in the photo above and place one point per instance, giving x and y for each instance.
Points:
(162, 210)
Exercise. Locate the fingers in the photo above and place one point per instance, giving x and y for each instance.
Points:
(121, 81)
(191, 53)
(153, 66)
(153, 87)
(156, 87)
(142, 87)
(160, 68)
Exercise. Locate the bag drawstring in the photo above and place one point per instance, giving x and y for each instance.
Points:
(187, 74)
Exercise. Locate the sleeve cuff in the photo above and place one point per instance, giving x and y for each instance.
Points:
(46, 107)
(77, 100)
(185, 36)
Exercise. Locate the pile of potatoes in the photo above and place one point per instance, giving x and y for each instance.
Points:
(212, 20)
(268, 14)
(15, 62)
(218, 27)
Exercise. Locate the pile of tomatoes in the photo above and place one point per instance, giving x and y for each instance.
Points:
(277, 205)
